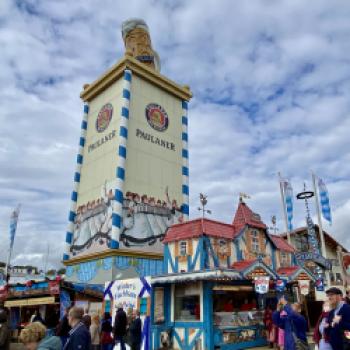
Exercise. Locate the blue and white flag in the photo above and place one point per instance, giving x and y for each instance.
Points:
(13, 226)
(324, 199)
(288, 198)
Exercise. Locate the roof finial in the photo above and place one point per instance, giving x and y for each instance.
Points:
(242, 196)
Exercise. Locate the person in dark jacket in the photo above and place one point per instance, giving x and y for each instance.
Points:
(338, 320)
(292, 322)
(86, 319)
(63, 328)
(120, 324)
(135, 331)
(4, 331)
(79, 336)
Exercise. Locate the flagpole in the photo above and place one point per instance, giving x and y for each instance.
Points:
(319, 218)
(284, 208)
(8, 261)
(13, 227)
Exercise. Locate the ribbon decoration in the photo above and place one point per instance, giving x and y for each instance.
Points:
(108, 291)
(146, 287)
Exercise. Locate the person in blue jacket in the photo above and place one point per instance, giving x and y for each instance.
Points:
(338, 320)
(293, 321)
(79, 335)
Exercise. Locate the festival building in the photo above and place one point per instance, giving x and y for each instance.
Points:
(201, 284)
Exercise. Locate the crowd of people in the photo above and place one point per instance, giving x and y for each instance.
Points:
(287, 327)
(77, 330)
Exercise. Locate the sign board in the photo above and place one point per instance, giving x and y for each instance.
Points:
(262, 284)
(132, 293)
(304, 286)
(280, 285)
(315, 257)
(159, 305)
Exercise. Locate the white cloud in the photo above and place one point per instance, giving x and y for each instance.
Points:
(271, 93)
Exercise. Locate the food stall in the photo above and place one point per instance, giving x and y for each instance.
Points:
(206, 310)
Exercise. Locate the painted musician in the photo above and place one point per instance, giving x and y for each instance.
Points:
(137, 229)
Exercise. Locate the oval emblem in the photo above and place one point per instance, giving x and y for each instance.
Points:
(157, 117)
(104, 117)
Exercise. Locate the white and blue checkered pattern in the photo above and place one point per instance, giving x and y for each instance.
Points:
(288, 197)
(185, 169)
(120, 171)
(74, 196)
(324, 199)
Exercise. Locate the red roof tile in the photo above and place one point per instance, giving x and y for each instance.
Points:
(198, 227)
(287, 271)
(243, 264)
(245, 216)
(281, 244)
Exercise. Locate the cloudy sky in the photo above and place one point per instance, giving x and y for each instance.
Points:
(271, 85)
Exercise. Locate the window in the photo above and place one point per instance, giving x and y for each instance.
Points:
(302, 243)
(183, 248)
(187, 302)
(255, 241)
(222, 247)
(332, 277)
(284, 259)
(338, 278)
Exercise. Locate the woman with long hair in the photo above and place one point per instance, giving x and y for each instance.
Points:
(107, 341)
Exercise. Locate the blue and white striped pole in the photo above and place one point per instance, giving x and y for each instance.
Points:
(185, 169)
(74, 196)
(120, 171)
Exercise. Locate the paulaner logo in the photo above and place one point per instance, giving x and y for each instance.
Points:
(104, 117)
(157, 117)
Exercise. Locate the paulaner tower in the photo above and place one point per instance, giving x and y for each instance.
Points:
(131, 178)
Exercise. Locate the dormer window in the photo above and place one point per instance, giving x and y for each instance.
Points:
(255, 241)
(183, 248)
(284, 259)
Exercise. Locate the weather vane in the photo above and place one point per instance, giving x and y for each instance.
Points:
(204, 201)
(274, 224)
(243, 195)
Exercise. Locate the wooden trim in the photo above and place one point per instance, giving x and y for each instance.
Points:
(141, 70)
(112, 252)
(262, 241)
(190, 247)
(177, 248)
(148, 306)
(138, 304)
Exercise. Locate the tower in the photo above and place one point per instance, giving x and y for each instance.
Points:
(131, 178)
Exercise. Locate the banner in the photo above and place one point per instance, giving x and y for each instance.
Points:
(280, 285)
(13, 225)
(304, 286)
(319, 285)
(262, 284)
(324, 200)
(288, 198)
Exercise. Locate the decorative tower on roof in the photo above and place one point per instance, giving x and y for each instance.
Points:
(131, 178)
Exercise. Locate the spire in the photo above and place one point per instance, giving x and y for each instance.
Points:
(245, 216)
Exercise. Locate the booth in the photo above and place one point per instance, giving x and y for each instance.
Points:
(131, 294)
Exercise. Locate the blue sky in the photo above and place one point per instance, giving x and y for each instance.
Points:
(271, 84)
